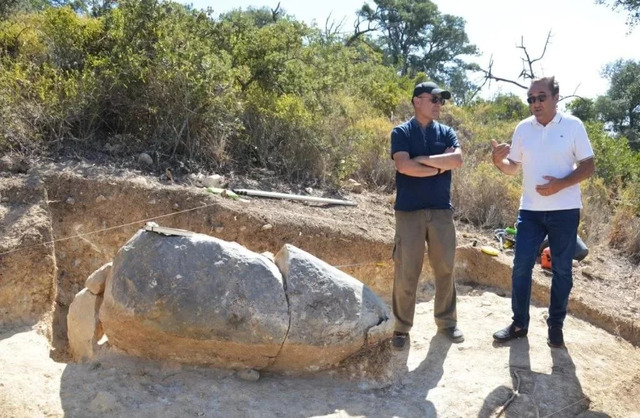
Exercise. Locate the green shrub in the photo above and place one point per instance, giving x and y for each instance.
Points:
(253, 90)
(485, 197)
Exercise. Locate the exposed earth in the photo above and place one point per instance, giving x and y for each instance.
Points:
(92, 211)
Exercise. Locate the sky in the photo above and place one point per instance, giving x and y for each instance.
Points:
(584, 36)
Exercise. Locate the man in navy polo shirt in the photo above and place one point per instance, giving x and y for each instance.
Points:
(424, 152)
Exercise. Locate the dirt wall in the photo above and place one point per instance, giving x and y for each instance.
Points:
(91, 216)
(27, 269)
(80, 205)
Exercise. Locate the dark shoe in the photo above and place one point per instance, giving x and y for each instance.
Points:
(509, 333)
(453, 333)
(399, 339)
(556, 339)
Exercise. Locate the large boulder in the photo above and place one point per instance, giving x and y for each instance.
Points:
(333, 315)
(195, 299)
(198, 299)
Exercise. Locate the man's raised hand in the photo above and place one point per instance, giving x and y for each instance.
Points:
(499, 152)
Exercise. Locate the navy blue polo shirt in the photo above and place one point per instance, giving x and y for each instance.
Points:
(415, 193)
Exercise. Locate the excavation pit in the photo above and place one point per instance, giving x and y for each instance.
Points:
(598, 375)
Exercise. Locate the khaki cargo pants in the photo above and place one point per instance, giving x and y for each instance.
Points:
(413, 229)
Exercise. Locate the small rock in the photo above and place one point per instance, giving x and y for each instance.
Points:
(242, 228)
(100, 198)
(249, 375)
(168, 174)
(6, 163)
(219, 229)
(14, 164)
(71, 201)
(590, 274)
(145, 159)
(215, 180)
(266, 227)
(96, 281)
(353, 186)
(196, 179)
(84, 329)
(309, 190)
(575, 263)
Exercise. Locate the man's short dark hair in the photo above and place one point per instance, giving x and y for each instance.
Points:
(551, 82)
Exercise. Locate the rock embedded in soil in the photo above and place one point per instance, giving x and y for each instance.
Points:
(84, 328)
(199, 299)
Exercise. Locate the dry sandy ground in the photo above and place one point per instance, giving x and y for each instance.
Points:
(598, 375)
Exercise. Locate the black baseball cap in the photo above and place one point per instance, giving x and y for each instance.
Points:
(431, 88)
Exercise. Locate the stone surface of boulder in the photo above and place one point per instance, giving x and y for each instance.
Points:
(195, 299)
(198, 299)
(332, 313)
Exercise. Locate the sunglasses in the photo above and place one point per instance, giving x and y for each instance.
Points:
(435, 99)
(532, 99)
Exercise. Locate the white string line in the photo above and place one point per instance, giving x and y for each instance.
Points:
(105, 229)
(158, 217)
(172, 214)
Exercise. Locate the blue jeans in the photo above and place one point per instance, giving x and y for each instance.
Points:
(562, 228)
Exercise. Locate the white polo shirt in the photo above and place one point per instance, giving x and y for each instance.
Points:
(552, 150)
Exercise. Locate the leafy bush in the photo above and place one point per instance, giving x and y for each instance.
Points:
(483, 196)
(252, 89)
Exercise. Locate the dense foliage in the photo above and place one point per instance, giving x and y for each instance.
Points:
(257, 89)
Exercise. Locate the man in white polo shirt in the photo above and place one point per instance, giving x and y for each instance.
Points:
(555, 154)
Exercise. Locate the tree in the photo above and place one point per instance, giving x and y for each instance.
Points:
(631, 6)
(8, 7)
(583, 108)
(263, 46)
(403, 24)
(415, 37)
(445, 44)
(620, 107)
